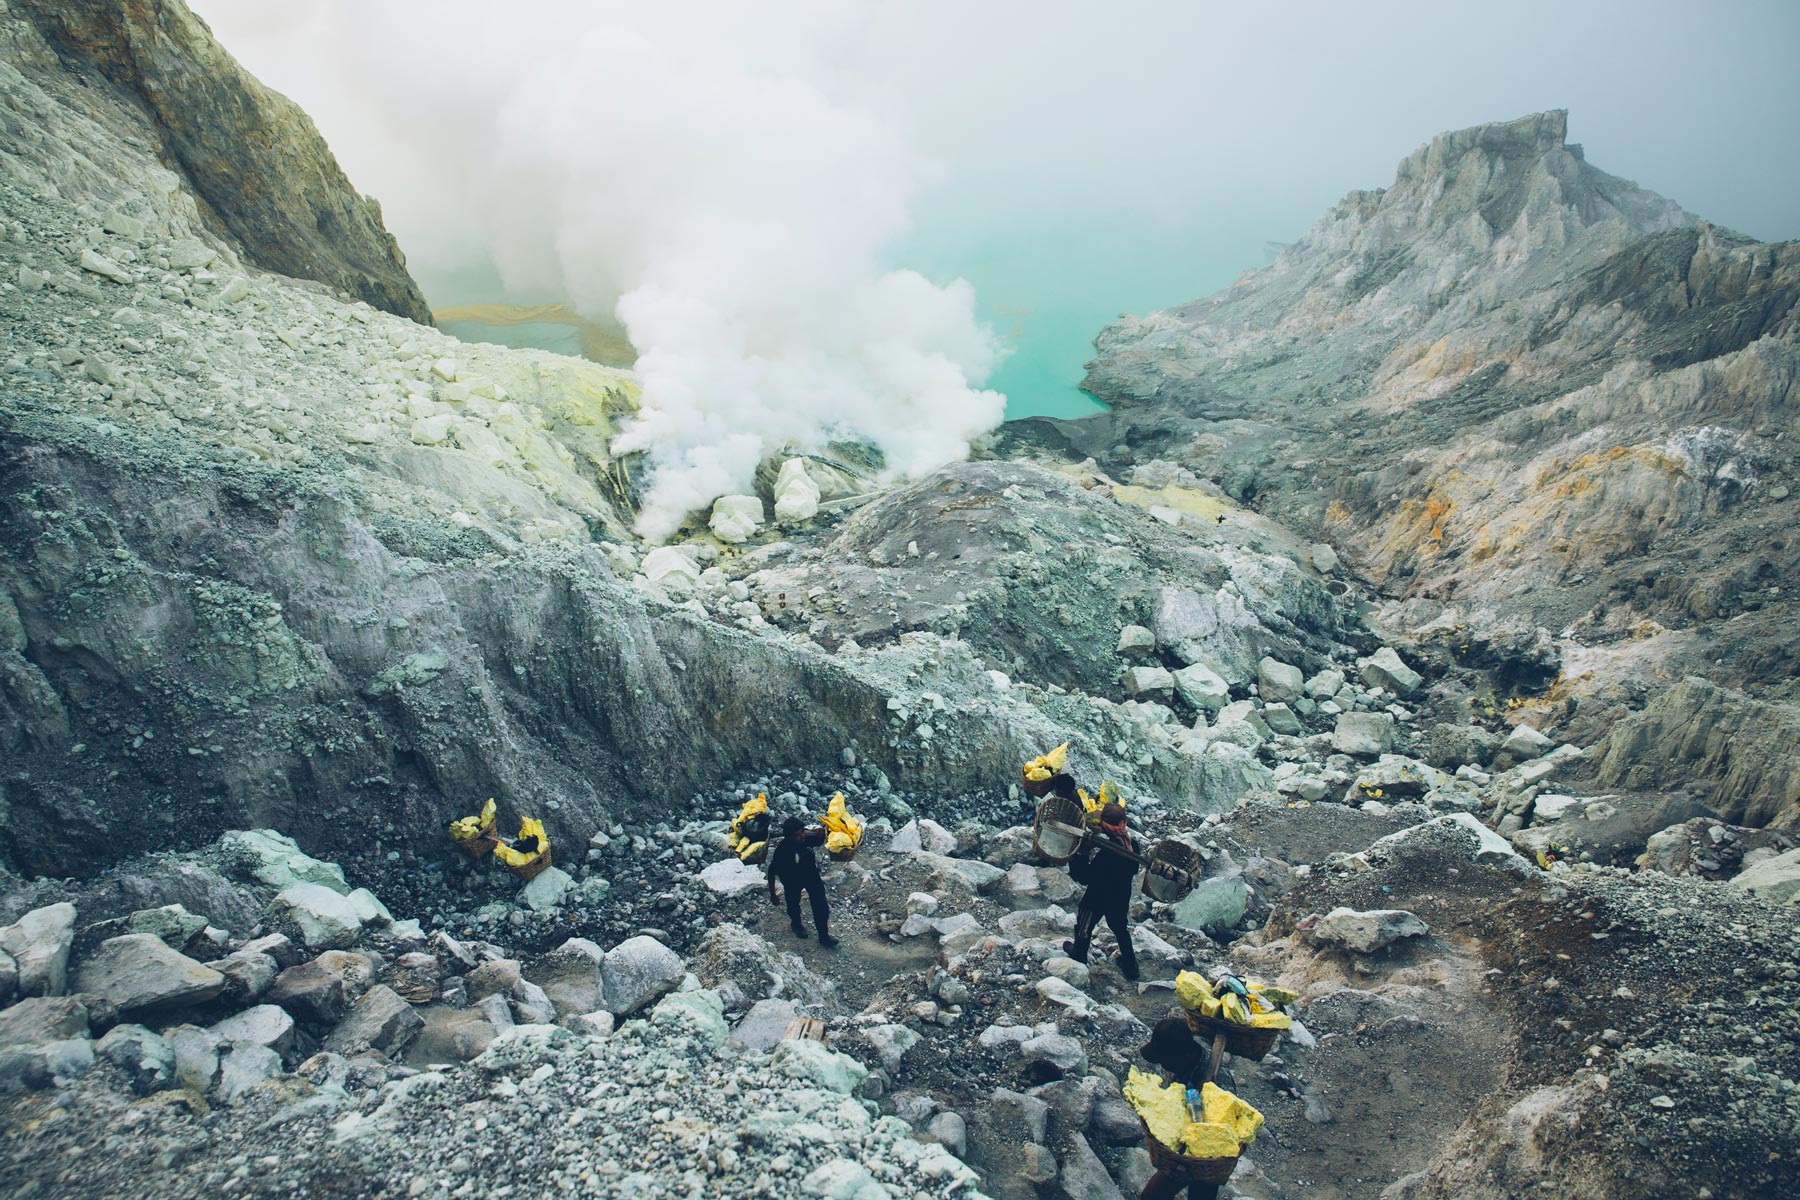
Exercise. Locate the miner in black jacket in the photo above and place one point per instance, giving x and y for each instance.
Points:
(792, 862)
(1108, 876)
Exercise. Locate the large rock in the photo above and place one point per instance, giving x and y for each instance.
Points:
(729, 877)
(891, 1042)
(197, 1052)
(277, 860)
(570, 976)
(244, 1065)
(547, 889)
(1384, 669)
(142, 1054)
(41, 1019)
(139, 973)
(1524, 744)
(638, 972)
(39, 945)
(1364, 735)
(764, 1024)
(805, 1059)
(796, 495)
(965, 875)
(1218, 903)
(1202, 687)
(1278, 681)
(320, 992)
(327, 920)
(1776, 879)
(381, 1020)
(1062, 1054)
(1084, 1176)
(263, 1025)
(497, 977)
(1366, 932)
(1150, 683)
(736, 518)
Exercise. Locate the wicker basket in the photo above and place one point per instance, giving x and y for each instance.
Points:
(1244, 1041)
(1052, 844)
(1174, 870)
(1037, 789)
(1185, 1166)
(481, 845)
(842, 855)
(534, 867)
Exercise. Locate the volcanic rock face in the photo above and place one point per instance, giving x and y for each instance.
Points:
(1512, 390)
(251, 156)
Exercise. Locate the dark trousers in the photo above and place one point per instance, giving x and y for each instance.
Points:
(815, 891)
(1117, 912)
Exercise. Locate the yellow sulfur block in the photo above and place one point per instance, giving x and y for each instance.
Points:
(1163, 1107)
(1232, 1008)
(1274, 997)
(1270, 1021)
(1209, 1140)
(1223, 1108)
(1192, 990)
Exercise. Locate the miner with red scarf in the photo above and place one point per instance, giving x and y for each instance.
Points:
(1108, 877)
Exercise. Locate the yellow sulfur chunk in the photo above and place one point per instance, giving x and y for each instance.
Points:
(1223, 1108)
(1233, 1009)
(1163, 1107)
(465, 829)
(1274, 997)
(1209, 1140)
(1192, 990)
(1270, 1021)
(1046, 765)
(528, 827)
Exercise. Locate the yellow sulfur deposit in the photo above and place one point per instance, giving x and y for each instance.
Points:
(1223, 1108)
(1046, 765)
(1272, 998)
(1162, 1106)
(529, 827)
(1207, 1139)
(465, 829)
(843, 831)
(1270, 1021)
(1232, 1008)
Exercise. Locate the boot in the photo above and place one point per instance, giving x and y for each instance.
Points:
(1076, 950)
(1128, 966)
(799, 929)
(826, 940)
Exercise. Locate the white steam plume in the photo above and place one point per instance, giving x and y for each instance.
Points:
(701, 170)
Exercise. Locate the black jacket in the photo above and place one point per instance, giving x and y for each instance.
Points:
(794, 863)
(1108, 876)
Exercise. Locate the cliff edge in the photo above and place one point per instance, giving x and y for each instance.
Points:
(256, 162)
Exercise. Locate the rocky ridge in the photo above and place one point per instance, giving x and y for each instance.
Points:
(1512, 390)
(258, 168)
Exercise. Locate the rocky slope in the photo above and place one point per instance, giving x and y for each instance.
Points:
(1513, 390)
(258, 168)
(283, 576)
(272, 557)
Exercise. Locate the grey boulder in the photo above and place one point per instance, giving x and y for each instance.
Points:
(1367, 932)
(637, 972)
(139, 973)
(39, 945)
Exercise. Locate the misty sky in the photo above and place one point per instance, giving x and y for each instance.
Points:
(1076, 160)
